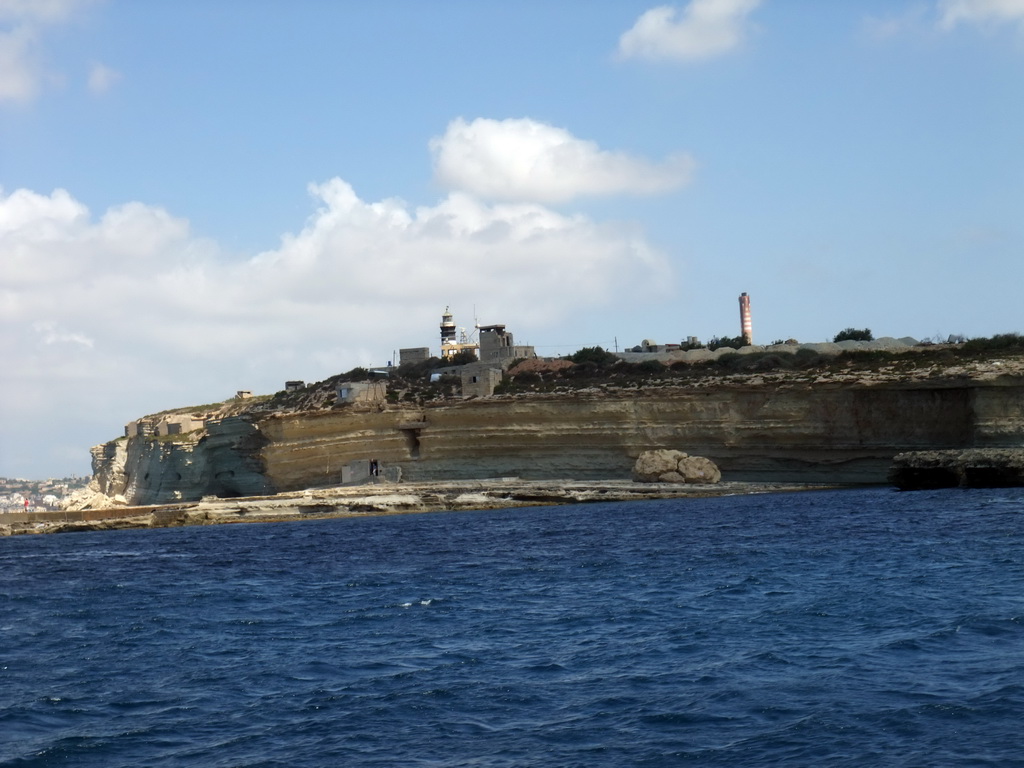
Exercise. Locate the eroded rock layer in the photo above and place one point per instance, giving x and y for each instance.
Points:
(756, 431)
(971, 468)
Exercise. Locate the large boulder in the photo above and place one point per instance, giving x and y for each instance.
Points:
(651, 465)
(667, 466)
(697, 469)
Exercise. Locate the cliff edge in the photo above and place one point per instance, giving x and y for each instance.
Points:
(840, 421)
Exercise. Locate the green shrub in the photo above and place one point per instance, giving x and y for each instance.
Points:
(582, 370)
(997, 343)
(854, 334)
(594, 355)
(867, 357)
(528, 377)
(421, 370)
(807, 358)
(356, 374)
(769, 362)
(462, 357)
(730, 361)
(734, 342)
(648, 367)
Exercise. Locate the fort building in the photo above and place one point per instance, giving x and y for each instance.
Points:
(413, 355)
(480, 379)
(498, 346)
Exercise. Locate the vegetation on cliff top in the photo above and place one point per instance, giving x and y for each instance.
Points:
(854, 334)
(435, 380)
(802, 365)
(595, 367)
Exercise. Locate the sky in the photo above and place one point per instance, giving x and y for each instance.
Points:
(203, 196)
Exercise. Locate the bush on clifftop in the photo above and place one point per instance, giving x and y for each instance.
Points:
(1001, 341)
(854, 334)
(733, 342)
(596, 356)
(420, 370)
(463, 357)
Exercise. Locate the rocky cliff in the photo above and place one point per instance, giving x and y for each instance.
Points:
(970, 468)
(763, 428)
(222, 460)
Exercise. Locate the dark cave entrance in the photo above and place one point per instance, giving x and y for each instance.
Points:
(412, 442)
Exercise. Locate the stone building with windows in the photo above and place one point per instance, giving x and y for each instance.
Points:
(498, 346)
(480, 379)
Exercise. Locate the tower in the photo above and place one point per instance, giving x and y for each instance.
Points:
(746, 326)
(447, 328)
(454, 340)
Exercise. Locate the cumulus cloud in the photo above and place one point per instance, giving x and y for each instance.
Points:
(22, 73)
(915, 17)
(50, 240)
(50, 333)
(703, 29)
(986, 12)
(128, 312)
(525, 160)
(18, 69)
(44, 11)
(102, 78)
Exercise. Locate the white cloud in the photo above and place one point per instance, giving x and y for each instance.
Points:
(521, 159)
(50, 240)
(19, 76)
(910, 19)
(22, 73)
(955, 12)
(128, 312)
(50, 333)
(102, 78)
(45, 11)
(705, 28)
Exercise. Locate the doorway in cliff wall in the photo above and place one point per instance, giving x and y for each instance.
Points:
(412, 442)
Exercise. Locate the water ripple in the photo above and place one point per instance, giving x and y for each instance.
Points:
(841, 628)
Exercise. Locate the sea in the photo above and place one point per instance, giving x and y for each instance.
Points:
(859, 627)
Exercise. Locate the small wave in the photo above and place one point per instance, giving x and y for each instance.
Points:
(426, 602)
(548, 667)
(848, 636)
(675, 719)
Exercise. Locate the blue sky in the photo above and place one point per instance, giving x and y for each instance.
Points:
(200, 197)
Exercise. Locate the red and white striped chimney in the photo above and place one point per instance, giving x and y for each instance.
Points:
(746, 324)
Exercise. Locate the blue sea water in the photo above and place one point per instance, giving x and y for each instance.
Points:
(843, 628)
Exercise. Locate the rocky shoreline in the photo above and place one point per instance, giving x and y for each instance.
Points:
(970, 468)
(380, 499)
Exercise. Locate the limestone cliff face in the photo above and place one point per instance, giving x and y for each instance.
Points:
(223, 460)
(774, 432)
(997, 415)
(835, 433)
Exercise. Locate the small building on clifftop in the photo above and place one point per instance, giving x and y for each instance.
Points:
(498, 346)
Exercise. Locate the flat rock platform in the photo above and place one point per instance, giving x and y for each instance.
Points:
(377, 499)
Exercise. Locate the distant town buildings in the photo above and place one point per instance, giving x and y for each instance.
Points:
(20, 495)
